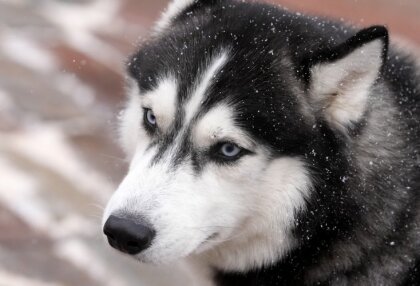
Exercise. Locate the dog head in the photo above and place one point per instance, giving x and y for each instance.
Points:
(223, 126)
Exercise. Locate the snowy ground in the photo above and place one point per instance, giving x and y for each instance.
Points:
(60, 89)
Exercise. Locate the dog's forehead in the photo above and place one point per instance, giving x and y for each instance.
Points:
(206, 117)
(219, 124)
(217, 98)
(246, 72)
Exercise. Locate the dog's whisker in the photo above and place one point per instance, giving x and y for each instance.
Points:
(114, 157)
(96, 206)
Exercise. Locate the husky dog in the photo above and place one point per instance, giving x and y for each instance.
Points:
(270, 148)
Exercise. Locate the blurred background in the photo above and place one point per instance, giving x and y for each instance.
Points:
(61, 86)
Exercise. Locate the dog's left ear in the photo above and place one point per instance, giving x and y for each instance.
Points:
(340, 79)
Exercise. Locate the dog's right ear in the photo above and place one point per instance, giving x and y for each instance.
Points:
(175, 8)
(341, 78)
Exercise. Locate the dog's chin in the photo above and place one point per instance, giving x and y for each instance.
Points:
(145, 259)
(155, 257)
(158, 260)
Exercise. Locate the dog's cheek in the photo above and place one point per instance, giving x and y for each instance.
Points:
(286, 184)
(231, 191)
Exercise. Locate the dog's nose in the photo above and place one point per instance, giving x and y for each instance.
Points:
(127, 235)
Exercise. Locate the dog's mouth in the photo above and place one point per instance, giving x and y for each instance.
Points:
(212, 237)
(207, 243)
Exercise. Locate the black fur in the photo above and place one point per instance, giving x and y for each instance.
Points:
(361, 224)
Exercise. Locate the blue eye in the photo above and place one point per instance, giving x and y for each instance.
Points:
(227, 152)
(230, 150)
(150, 118)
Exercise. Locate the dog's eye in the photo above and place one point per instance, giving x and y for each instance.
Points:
(225, 152)
(149, 118)
(230, 150)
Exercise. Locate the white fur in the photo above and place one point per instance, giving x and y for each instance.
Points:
(198, 271)
(173, 10)
(273, 197)
(162, 101)
(340, 89)
(194, 103)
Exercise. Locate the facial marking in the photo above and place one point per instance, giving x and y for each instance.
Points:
(192, 107)
(218, 125)
(162, 101)
(177, 148)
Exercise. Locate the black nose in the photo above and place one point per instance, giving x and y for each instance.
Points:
(127, 235)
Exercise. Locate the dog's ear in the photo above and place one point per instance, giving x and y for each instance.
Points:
(341, 78)
(176, 8)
